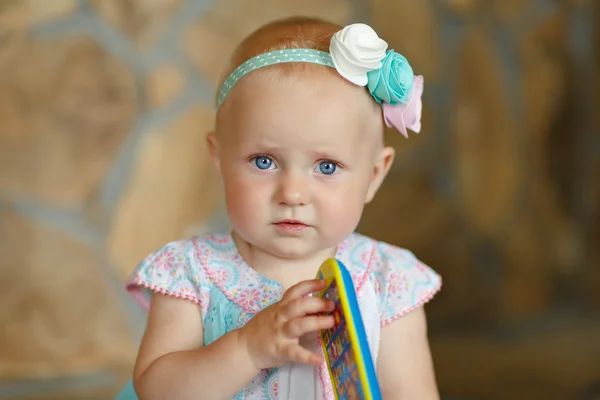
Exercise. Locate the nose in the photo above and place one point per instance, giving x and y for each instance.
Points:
(293, 190)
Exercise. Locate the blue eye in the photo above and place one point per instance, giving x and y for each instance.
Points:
(263, 162)
(327, 167)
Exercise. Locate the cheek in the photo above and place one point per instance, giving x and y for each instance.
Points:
(341, 207)
(244, 196)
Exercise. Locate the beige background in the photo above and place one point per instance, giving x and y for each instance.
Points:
(103, 109)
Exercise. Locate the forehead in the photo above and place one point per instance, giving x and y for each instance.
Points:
(300, 109)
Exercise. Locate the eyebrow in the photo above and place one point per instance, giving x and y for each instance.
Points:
(327, 155)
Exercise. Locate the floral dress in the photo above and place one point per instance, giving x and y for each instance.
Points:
(209, 271)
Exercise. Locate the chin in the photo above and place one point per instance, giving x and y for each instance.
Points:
(289, 252)
(291, 249)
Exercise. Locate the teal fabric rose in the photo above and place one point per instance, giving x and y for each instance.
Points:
(393, 81)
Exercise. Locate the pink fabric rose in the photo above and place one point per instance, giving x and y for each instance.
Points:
(406, 116)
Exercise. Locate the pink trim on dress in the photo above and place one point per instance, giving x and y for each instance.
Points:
(145, 302)
(324, 378)
(250, 308)
(210, 274)
(365, 277)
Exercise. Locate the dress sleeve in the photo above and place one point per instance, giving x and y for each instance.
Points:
(402, 282)
(173, 270)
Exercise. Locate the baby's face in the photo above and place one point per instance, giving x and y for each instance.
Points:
(298, 158)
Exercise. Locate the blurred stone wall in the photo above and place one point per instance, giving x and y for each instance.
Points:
(103, 109)
(501, 192)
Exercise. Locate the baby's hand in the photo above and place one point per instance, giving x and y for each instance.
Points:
(272, 336)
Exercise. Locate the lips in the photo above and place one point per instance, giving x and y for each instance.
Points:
(291, 226)
(290, 222)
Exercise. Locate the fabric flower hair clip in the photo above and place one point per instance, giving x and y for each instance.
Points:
(361, 57)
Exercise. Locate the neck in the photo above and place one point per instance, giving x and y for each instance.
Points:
(286, 271)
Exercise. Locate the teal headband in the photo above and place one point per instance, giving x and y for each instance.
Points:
(271, 58)
(361, 57)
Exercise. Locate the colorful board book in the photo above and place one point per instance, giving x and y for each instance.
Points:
(345, 346)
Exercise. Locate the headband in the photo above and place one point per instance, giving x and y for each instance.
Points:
(361, 57)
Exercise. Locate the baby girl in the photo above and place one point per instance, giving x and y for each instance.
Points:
(299, 145)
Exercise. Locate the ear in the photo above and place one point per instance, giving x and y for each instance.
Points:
(214, 150)
(383, 162)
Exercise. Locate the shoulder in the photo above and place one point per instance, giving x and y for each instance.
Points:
(185, 254)
(390, 260)
(177, 269)
(401, 281)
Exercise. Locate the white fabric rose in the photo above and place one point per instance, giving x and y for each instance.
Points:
(356, 50)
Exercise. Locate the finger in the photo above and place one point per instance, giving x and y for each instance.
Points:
(303, 288)
(306, 305)
(301, 326)
(297, 353)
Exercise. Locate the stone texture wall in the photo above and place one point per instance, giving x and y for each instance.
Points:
(500, 190)
(103, 109)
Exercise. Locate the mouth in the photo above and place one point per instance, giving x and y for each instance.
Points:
(290, 222)
(291, 226)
